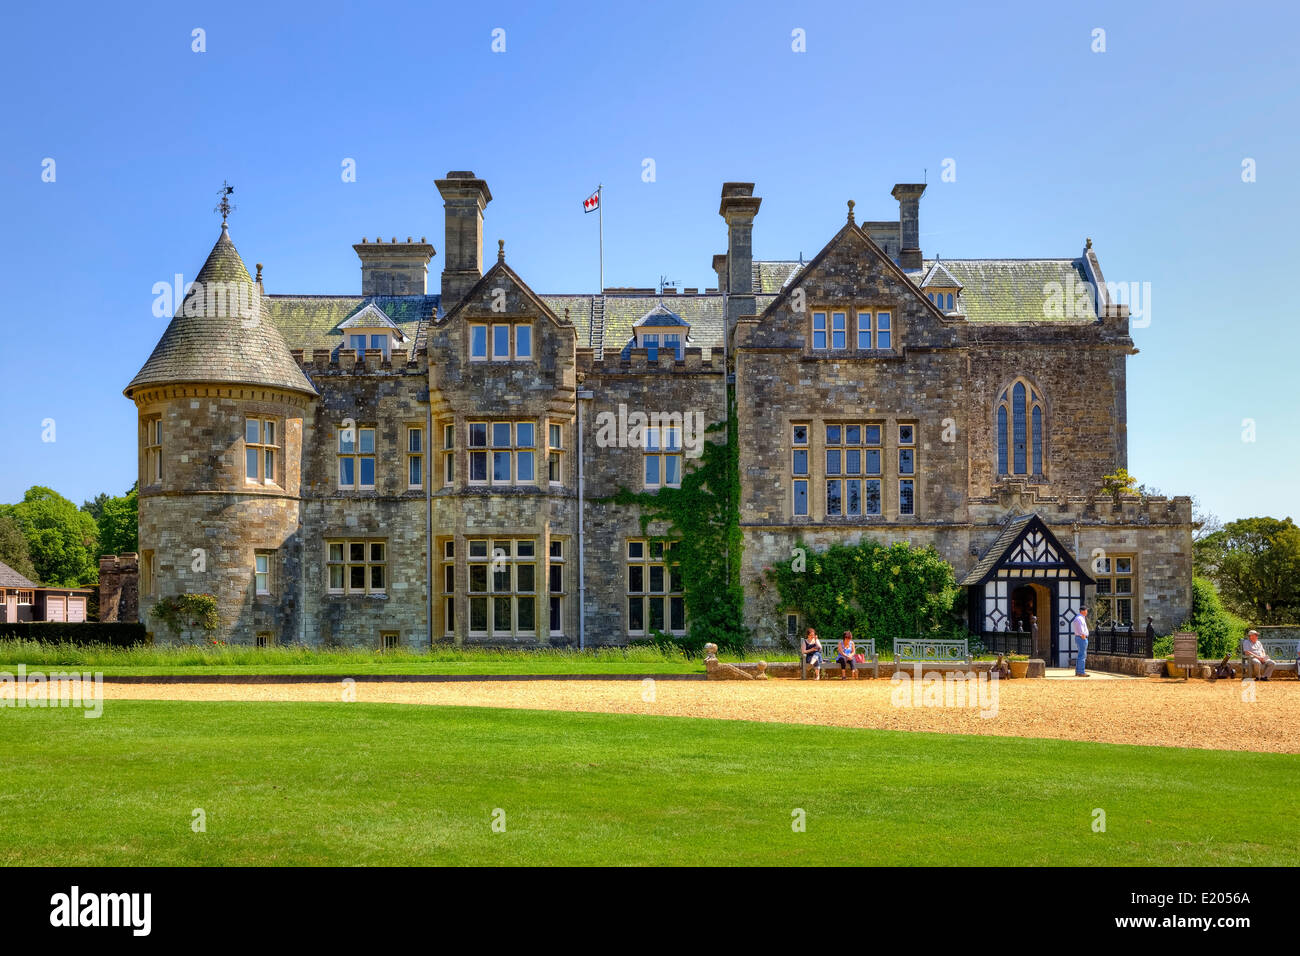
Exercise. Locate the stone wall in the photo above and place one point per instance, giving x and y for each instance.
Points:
(667, 386)
(390, 397)
(203, 523)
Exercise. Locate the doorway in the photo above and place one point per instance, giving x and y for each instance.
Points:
(1031, 611)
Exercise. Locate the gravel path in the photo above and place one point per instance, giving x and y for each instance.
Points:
(1150, 711)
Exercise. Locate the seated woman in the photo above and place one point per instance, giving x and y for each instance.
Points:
(844, 653)
(812, 653)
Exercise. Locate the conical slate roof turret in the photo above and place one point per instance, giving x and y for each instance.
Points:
(222, 333)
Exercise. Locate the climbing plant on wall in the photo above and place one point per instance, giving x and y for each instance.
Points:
(872, 590)
(703, 517)
(187, 610)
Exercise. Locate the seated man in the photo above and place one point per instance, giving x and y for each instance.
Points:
(1254, 659)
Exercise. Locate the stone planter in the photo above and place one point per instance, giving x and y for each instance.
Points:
(1019, 669)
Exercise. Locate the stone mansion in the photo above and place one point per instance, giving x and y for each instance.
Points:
(400, 467)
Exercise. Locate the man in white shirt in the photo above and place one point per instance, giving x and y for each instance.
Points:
(1255, 660)
(1080, 627)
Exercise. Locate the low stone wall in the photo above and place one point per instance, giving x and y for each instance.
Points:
(789, 670)
(1204, 668)
(1115, 664)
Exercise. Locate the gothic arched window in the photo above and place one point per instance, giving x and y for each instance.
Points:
(1020, 430)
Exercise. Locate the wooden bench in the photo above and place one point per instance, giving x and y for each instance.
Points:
(866, 648)
(926, 651)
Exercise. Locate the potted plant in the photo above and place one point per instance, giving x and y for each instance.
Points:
(1019, 664)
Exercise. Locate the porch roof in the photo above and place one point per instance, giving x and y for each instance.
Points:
(1007, 544)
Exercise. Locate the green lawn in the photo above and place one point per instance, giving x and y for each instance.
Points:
(209, 660)
(328, 662)
(345, 784)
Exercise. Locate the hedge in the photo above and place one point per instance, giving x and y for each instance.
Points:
(113, 633)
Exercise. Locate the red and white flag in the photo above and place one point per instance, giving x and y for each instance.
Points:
(592, 202)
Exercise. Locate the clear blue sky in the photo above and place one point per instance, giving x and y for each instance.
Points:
(1139, 147)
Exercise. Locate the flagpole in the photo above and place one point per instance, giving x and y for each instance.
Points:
(600, 211)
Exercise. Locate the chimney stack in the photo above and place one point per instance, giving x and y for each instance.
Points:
(909, 223)
(394, 268)
(464, 198)
(720, 267)
(739, 207)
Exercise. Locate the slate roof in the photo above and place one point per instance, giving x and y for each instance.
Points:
(1012, 290)
(661, 316)
(939, 278)
(1017, 526)
(9, 578)
(702, 312)
(371, 316)
(313, 321)
(996, 550)
(770, 276)
(220, 348)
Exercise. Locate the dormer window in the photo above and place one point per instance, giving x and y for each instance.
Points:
(943, 301)
(941, 287)
(371, 329)
(360, 342)
(658, 329)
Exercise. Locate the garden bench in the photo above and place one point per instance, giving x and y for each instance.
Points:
(866, 648)
(1282, 650)
(925, 651)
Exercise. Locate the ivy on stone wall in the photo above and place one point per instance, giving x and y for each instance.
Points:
(703, 518)
(187, 610)
(872, 590)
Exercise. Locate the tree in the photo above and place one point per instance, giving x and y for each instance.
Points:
(95, 506)
(13, 548)
(119, 523)
(1207, 525)
(1256, 564)
(1120, 483)
(63, 541)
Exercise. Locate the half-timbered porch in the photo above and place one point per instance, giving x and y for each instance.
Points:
(1028, 581)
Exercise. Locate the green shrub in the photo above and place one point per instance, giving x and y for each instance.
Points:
(187, 610)
(1218, 630)
(876, 592)
(81, 634)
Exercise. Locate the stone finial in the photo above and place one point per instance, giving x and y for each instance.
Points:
(1089, 242)
(258, 279)
(851, 205)
(501, 250)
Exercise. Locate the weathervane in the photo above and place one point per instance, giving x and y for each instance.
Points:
(224, 207)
